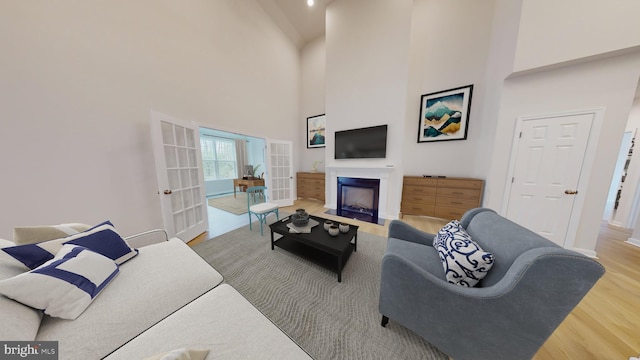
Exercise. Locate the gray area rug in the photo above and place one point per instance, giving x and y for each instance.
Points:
(236, 205)
(330, 320)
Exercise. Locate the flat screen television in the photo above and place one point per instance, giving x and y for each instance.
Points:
(363, 143)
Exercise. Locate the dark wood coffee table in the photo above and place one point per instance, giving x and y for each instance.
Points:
(331, 252)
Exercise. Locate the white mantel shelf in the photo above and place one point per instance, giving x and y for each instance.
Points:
(360, 168)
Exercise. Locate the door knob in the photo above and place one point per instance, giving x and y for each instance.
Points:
(168, 192)
(571, 192)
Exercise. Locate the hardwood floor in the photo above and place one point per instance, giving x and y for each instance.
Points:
(606, 323)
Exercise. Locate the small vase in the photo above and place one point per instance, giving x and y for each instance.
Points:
(327, 224)
(300, 218)
(344, 228)
(334, 230)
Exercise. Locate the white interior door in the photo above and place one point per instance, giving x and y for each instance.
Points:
(549, 157)
(178, 161)
(280, 172)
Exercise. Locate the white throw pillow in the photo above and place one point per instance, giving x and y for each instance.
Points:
(464, 261)
(35, 234)
(64, 286)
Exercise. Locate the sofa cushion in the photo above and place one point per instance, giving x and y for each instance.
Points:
(221, 320)
(35, 234)
(19, 322)
(160, 280)
(463, 260)
(65, 285)
(102, 238)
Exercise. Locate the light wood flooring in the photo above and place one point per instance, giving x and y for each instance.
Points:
(606, 323)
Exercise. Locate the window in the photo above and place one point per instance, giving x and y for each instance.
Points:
(218, 158)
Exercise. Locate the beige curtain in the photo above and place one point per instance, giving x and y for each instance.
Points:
(241, 156)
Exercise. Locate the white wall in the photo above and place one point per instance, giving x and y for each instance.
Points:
(570, 55)
(552, 32)
(633, 122)
(627, 207)
(367, 54)
(616, 179)
(450, 43)
(504, 32)
(79, 80)
(367, 68)
(312, 97)
(608, 83)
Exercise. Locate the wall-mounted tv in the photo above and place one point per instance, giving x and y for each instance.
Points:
(363, 143)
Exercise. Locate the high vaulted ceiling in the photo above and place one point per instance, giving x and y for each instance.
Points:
(299, 22)
(302, 23)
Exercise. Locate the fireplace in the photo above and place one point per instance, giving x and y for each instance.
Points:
(358, 198)
(380, 173)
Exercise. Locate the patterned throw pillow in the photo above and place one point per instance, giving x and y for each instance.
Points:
(64, 286)
(464, 261)
(102, 238)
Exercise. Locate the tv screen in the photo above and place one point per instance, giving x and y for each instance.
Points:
(370, 142)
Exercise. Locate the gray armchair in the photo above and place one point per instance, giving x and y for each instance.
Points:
(533, 285)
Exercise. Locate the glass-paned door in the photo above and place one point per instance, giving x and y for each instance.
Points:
(180, 177)
(280, 172)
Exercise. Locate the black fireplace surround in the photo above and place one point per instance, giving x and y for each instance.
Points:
(365, 210)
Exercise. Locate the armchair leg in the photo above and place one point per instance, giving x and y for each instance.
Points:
(385, 321)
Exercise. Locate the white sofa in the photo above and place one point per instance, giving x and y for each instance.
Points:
(165, 298)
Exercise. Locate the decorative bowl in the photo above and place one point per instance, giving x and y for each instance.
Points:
(334, 230)
(327, 224)
(300, 218)
(343, 227)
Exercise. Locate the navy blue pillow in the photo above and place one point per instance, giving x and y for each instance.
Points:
(102, 238)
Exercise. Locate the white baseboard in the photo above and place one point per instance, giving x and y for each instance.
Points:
(634, 242)
(615, 223)
(589, 253)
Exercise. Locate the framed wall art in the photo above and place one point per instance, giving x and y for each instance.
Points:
(444, 115)
(315, 131)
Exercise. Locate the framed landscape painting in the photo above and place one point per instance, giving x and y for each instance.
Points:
(315, 131)
(444, 115)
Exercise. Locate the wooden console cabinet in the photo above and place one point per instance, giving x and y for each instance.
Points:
(446, 198)
(310, 185)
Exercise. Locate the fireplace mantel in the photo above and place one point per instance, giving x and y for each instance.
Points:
(387, 169)
(365, 172)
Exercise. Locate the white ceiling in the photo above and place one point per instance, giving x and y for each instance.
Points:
(299, 22)
(302, 23)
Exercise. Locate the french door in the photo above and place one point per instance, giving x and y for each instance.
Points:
(280, 172)
(178, 159)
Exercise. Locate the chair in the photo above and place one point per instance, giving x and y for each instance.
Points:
(533, 285)
(257, 205)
